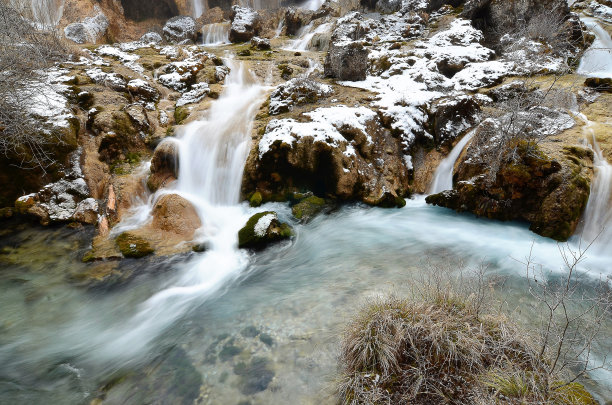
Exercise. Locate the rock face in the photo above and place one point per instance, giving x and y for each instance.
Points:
(296, 18)
(262, 229)
(347, 58)
(260, 43)
(343, 152)
(180, 29)
(172, 213)
(164, 165)
(245, 24)
(451, 117)
(550, 194)
(90, 30)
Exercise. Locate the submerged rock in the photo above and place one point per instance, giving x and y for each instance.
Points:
(262, 229)
(308, 208)
(133, 246)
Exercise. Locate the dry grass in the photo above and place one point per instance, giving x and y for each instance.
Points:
(440, 348)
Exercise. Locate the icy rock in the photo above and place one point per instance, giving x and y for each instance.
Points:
(179, 29)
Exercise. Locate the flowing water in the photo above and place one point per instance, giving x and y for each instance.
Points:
(443, 178)
(597, 60)
(47, 12)
(305, 35)
(199, 7)
(215, 34)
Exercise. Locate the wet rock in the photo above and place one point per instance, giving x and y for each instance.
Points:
(164, 165)
(256, 199)
(172, 213)
(255, 375)
(40, 212)
(180, 29)
(295, 92)
(296, 18)
(228, 351)
(133, 246)
(24, 203)
(260, 43)
(600, 84)
(452, 117)
(245, 24)
(308, 208)
(266, 339)
(250, 332)
(87, 211)
(262, 229)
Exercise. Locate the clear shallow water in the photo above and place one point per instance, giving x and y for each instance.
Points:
(57, 338)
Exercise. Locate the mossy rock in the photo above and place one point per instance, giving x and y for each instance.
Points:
(308, 208)
(262, 229)
(133, 246)
(256, 199)
(573, 394)
(181, 114)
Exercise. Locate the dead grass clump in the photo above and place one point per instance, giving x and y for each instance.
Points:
(441, 349)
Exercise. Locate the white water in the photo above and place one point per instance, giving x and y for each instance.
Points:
(312, 4)
(215, 34)
(443, 177)
(47, 12)
(305, 35)
(597, 60)
(199, 7)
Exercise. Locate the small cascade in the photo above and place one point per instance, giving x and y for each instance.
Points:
(597, 224)
(215, 34)
(313, 5)
(47, 13)
(305, 35)
(597, 60)
(443, 177)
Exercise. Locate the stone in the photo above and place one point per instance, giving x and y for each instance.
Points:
(296, 92)
(173, 213)
(164, 165)
(245, 24)
(260, 43)
(151, 38)
(262, 229)
(346, 61)
(91, 29)
(132, 246)
(599, 83)
(179, 29)
(143, 90)
(256, 199)
(296, 18)
(308, 208)
(87, 211)
(452, 117)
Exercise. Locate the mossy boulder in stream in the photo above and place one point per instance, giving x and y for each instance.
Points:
(262, 229)
(133, 246)
(308, 208)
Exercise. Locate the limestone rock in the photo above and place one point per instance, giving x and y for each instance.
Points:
(347, 61)
(295, 92)
(308, 208)
(296, 18)
(245, 24)
(132, 246)
(262, 229)
(143, 90)
(87, 211)
(452, 117)
(172, 213)
(179, 29)
(164, 165)
(260, 43)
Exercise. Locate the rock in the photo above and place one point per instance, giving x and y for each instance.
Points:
(296, 18)
(262, 229)
(600, 84)
(172, 213)
(245, 24)
(90, 30)
(38, 211)
(260, 43)
(138, 116)
(164, 165)
(256, 199)
(452, 117)
(76, 32)
(24, 203)
(308, 208)
(151, 38)
(87, 211)
(212, 15)
(195, 95)
(113, 81)
(179, 29)
(346, 61)
(133, 246)
(295, 92)
(142, 90)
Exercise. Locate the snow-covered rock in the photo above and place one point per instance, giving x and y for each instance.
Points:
(179, 29)
(296, 92)
(114, 81)
(245, 24)
(195, 95)
(91, 29)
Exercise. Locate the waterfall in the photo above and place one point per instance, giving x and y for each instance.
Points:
(47, 12)
(443, 177)
(305, 35)
(312, 4)
(199, 7)
(215, 34)
(597, 224)
(597, 60)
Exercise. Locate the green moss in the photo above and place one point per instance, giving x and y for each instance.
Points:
(256, 199)
(180, 114)
(573, 394)
(308, 208)
(133, 246)
(245, 52)
(249, 238)
(89, 257)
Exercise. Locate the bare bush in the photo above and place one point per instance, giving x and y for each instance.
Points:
(27, 47)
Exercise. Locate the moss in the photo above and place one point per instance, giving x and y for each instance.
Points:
(180, 114)
(133, 246)
(244, 52)
(229, 351)
(89, 257)
(248, 238)
(573, 394)
(256, 199)
(255, 376)
(266, 339)
(308, 208)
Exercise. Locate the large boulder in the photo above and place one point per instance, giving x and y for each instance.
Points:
(245, 24)
(262, 229)
(451, 117)
(164, 165)
(180, 29)
(172, 213)
(296, 18)
(296, 92)
(347, 61)
(91, 29)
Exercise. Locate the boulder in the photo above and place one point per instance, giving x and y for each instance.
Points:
(260, 43)
(308, 208)
(245, 24)
(452, 116)
(142, 90)
(600, 84)
(151, 38)
(164, 165)
(296, 92)
(262, 229)
(296, 18)
(91, 29)
(133, 246)
(180, 29)
(346, 61)
(87, 211)
(172, 213)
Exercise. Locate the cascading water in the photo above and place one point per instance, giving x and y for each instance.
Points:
(215, 34)
(312, 4)
(597, 60)
(199, 6)
(305, 35)
(443, 177)
(47, 12)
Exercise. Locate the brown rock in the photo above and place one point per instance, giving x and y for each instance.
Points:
(172, 213)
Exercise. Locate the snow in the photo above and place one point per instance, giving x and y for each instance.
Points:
(296, 91)
(47, 100)
(196, 94)
(324, 127)
(262, 225)
(601, 11)
(112, 80)
(127, 59)
(174, 80)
